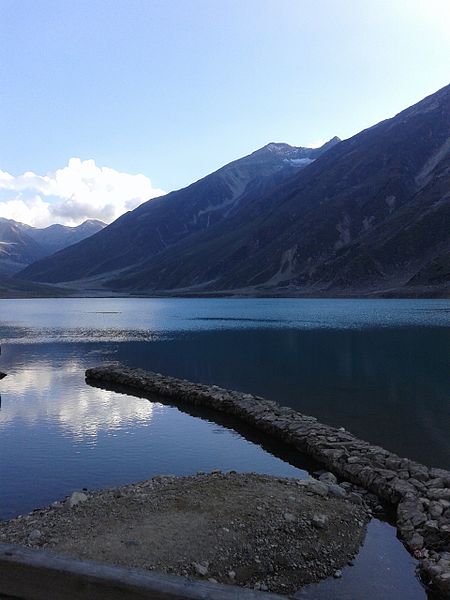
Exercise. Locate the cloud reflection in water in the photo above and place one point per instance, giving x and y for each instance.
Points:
(29, 397)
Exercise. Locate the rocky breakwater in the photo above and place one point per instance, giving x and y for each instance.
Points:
(420, 494)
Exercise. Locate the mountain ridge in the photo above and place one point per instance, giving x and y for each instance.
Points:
(367, 216)
(167, 220)
(22, 244)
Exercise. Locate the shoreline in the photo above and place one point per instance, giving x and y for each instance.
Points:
(420, 494)
(253, 531)
(22, 289)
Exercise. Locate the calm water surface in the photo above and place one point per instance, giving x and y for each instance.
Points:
(376, 367)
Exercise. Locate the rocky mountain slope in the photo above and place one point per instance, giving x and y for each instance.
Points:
(11, 287)
(17, 248)
(56, 237)
(21, 245)
(370, 215)
(159, 225)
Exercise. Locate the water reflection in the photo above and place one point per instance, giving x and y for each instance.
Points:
(383, 570)
(379, 368)
(79, 412)
(389, 386)
(386, 384)
(57, 434)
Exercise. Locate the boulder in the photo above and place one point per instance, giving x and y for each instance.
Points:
(76, 498)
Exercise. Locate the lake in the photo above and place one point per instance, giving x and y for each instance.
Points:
(376, 367)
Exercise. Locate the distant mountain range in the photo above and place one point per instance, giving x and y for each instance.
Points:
(366, 216)
(21, 245)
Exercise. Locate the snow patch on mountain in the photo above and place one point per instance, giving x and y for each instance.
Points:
(298, 162)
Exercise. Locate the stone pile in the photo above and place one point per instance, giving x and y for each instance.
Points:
(421, 494)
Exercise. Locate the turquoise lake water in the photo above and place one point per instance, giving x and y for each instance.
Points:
(377, 367)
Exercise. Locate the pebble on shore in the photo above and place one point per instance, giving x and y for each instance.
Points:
(250, 530)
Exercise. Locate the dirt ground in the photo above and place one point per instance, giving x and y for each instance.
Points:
(245, 529)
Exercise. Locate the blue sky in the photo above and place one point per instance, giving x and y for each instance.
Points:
(171, 90)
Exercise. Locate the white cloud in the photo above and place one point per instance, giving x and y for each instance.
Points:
(70, 195)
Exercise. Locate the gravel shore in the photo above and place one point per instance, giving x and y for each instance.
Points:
(250, 530)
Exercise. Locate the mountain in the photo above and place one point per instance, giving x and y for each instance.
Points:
(368, 216)
(15, 288)
(17, 248)
(56, 237)
(21, 245)
(162, 223)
